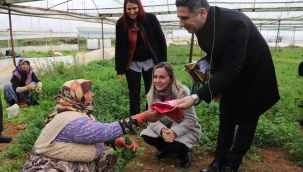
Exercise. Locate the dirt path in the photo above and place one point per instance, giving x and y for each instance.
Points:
(272, 160)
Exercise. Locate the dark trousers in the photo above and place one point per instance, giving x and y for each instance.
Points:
(241, 144)
(1, 115)
(175, 147)
(134, 88)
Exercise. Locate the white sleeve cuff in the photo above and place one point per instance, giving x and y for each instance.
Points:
(20, 89)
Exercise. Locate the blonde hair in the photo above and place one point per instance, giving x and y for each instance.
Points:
(177, 87)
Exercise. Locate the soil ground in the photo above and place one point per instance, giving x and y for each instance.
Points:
(270, 160)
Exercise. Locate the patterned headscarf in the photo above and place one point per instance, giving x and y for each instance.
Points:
(18, 71)
(72, 98)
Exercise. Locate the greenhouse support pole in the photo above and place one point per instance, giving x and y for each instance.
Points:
(293, 37)
(191, 48)
(277, 36)
(78, 42)
(11, 34)
(102, 39)
(50, 35)
(8, 40)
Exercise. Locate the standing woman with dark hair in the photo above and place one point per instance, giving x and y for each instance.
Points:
(140, 44)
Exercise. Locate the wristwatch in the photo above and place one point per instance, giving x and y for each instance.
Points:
(196, 99)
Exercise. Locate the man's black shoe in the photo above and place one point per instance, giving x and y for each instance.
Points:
(161, 154)
(5, 139)
(186, 160)
(215, 166)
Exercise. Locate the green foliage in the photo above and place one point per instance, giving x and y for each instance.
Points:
(11, 167)
(156, 160)
(14, 151)
(277, 127)
(128, 139)
(126, 156)
(47, 42)
(253, 154)
(34, 95)
(296, 149)
(37, 54)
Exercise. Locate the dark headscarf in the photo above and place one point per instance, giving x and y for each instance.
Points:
(18, 71)
(72, 98)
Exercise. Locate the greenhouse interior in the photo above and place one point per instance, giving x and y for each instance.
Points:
(72, 21)
(278, 21)
(67, 39)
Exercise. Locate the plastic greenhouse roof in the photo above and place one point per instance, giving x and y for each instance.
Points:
(43, 15)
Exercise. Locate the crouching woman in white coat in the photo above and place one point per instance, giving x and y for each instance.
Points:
(167, 134)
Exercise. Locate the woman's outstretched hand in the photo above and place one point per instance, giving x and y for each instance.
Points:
(148, 116)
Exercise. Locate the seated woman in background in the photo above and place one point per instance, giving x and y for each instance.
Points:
(168, 135)
(23, 81)
(72, 140)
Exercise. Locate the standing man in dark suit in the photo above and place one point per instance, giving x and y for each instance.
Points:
(3, 139)
(246, 76)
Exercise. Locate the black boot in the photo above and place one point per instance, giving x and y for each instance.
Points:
(301, 122)
(215, 166)
(11, 103)
(186, 160)
(5, 139)
(161, 154)
(229, 169)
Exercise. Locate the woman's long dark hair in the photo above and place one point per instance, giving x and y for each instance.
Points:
(127, 21)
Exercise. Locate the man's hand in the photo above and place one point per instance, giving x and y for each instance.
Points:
(185, 102)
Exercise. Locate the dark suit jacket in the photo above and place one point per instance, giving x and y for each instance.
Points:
(154, 34)
(246, 76)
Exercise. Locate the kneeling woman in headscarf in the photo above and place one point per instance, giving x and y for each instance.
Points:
(72, 140)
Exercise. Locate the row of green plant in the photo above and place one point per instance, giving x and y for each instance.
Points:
(41, 41)
(277, 127)
(44, 42)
